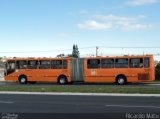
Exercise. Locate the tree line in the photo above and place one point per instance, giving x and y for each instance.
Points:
(157, 71)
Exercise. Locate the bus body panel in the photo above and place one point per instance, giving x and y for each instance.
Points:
(109, 74)
(39, 75)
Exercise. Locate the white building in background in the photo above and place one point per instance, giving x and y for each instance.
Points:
(1, 74)
(1, 70)
(156, 62)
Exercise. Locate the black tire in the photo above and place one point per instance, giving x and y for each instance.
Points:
(121, 80)
(23, 80)
(62, 80)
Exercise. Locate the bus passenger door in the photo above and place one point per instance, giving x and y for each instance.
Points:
(92, 70)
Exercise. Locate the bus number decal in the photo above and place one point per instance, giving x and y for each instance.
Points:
(93, 72)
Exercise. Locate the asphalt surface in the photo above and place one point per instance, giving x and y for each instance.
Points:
(77, 104)
(98, 107)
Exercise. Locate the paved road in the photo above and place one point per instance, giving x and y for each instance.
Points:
(78, 104)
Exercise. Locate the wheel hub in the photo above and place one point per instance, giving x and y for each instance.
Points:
(121, 81)
(23, 80)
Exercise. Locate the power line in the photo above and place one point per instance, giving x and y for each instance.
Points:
(37, 51)
(114, 47)
(130, 47)
(40, 51)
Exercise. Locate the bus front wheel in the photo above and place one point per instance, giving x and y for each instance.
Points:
(23, 79)
(62, 80)
(121, 80)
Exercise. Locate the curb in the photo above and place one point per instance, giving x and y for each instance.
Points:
(79, 94)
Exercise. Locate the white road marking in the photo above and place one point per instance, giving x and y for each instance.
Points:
(6, 102)
(79, 94)
(129, 106)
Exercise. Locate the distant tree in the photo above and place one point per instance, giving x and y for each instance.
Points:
(60, 55)
(69, 55)
(75, 52)
(157, 71)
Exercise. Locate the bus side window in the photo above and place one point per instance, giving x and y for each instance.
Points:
(56, 64)
(121, 63)
(107, 63)
(32, 64)
(93, 63)
(11, 65)
(65, 64)
(146, 63)
(136, 62)
(44, 64)
(21, 64)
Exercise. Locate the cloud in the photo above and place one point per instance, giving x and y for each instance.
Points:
(112, 17)
(125, 22)
(133, 26)
(141, 2)
(105, 22)
(94, 25)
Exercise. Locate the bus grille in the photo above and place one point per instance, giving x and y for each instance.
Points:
(143, 76)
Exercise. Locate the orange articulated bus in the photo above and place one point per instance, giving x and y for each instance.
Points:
(119, 69)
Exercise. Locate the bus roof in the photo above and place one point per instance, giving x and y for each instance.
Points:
(61, 58)
(39, 58)
(124, 56)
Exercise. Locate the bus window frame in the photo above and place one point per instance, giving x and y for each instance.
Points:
(33, 67)
(149, 65)
(137, 64)
(13, 61)
(97, 66)
(55, 67)
(44, 66)
(121, 64)
(10, 70)
(18, 65)
(65, 64)
(112, 65)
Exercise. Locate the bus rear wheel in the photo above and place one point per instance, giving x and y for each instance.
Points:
(121, 80)
(62, 80)
(23, 79)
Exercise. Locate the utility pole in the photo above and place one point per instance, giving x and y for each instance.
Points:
(96, 51)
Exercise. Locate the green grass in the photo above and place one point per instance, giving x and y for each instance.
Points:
(82, 89)
(156, 80)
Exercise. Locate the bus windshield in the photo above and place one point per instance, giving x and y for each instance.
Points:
(10, 67)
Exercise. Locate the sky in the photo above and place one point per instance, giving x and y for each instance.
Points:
(46, 28)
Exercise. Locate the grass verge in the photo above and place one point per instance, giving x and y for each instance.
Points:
(82, 89)
(156, 81)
